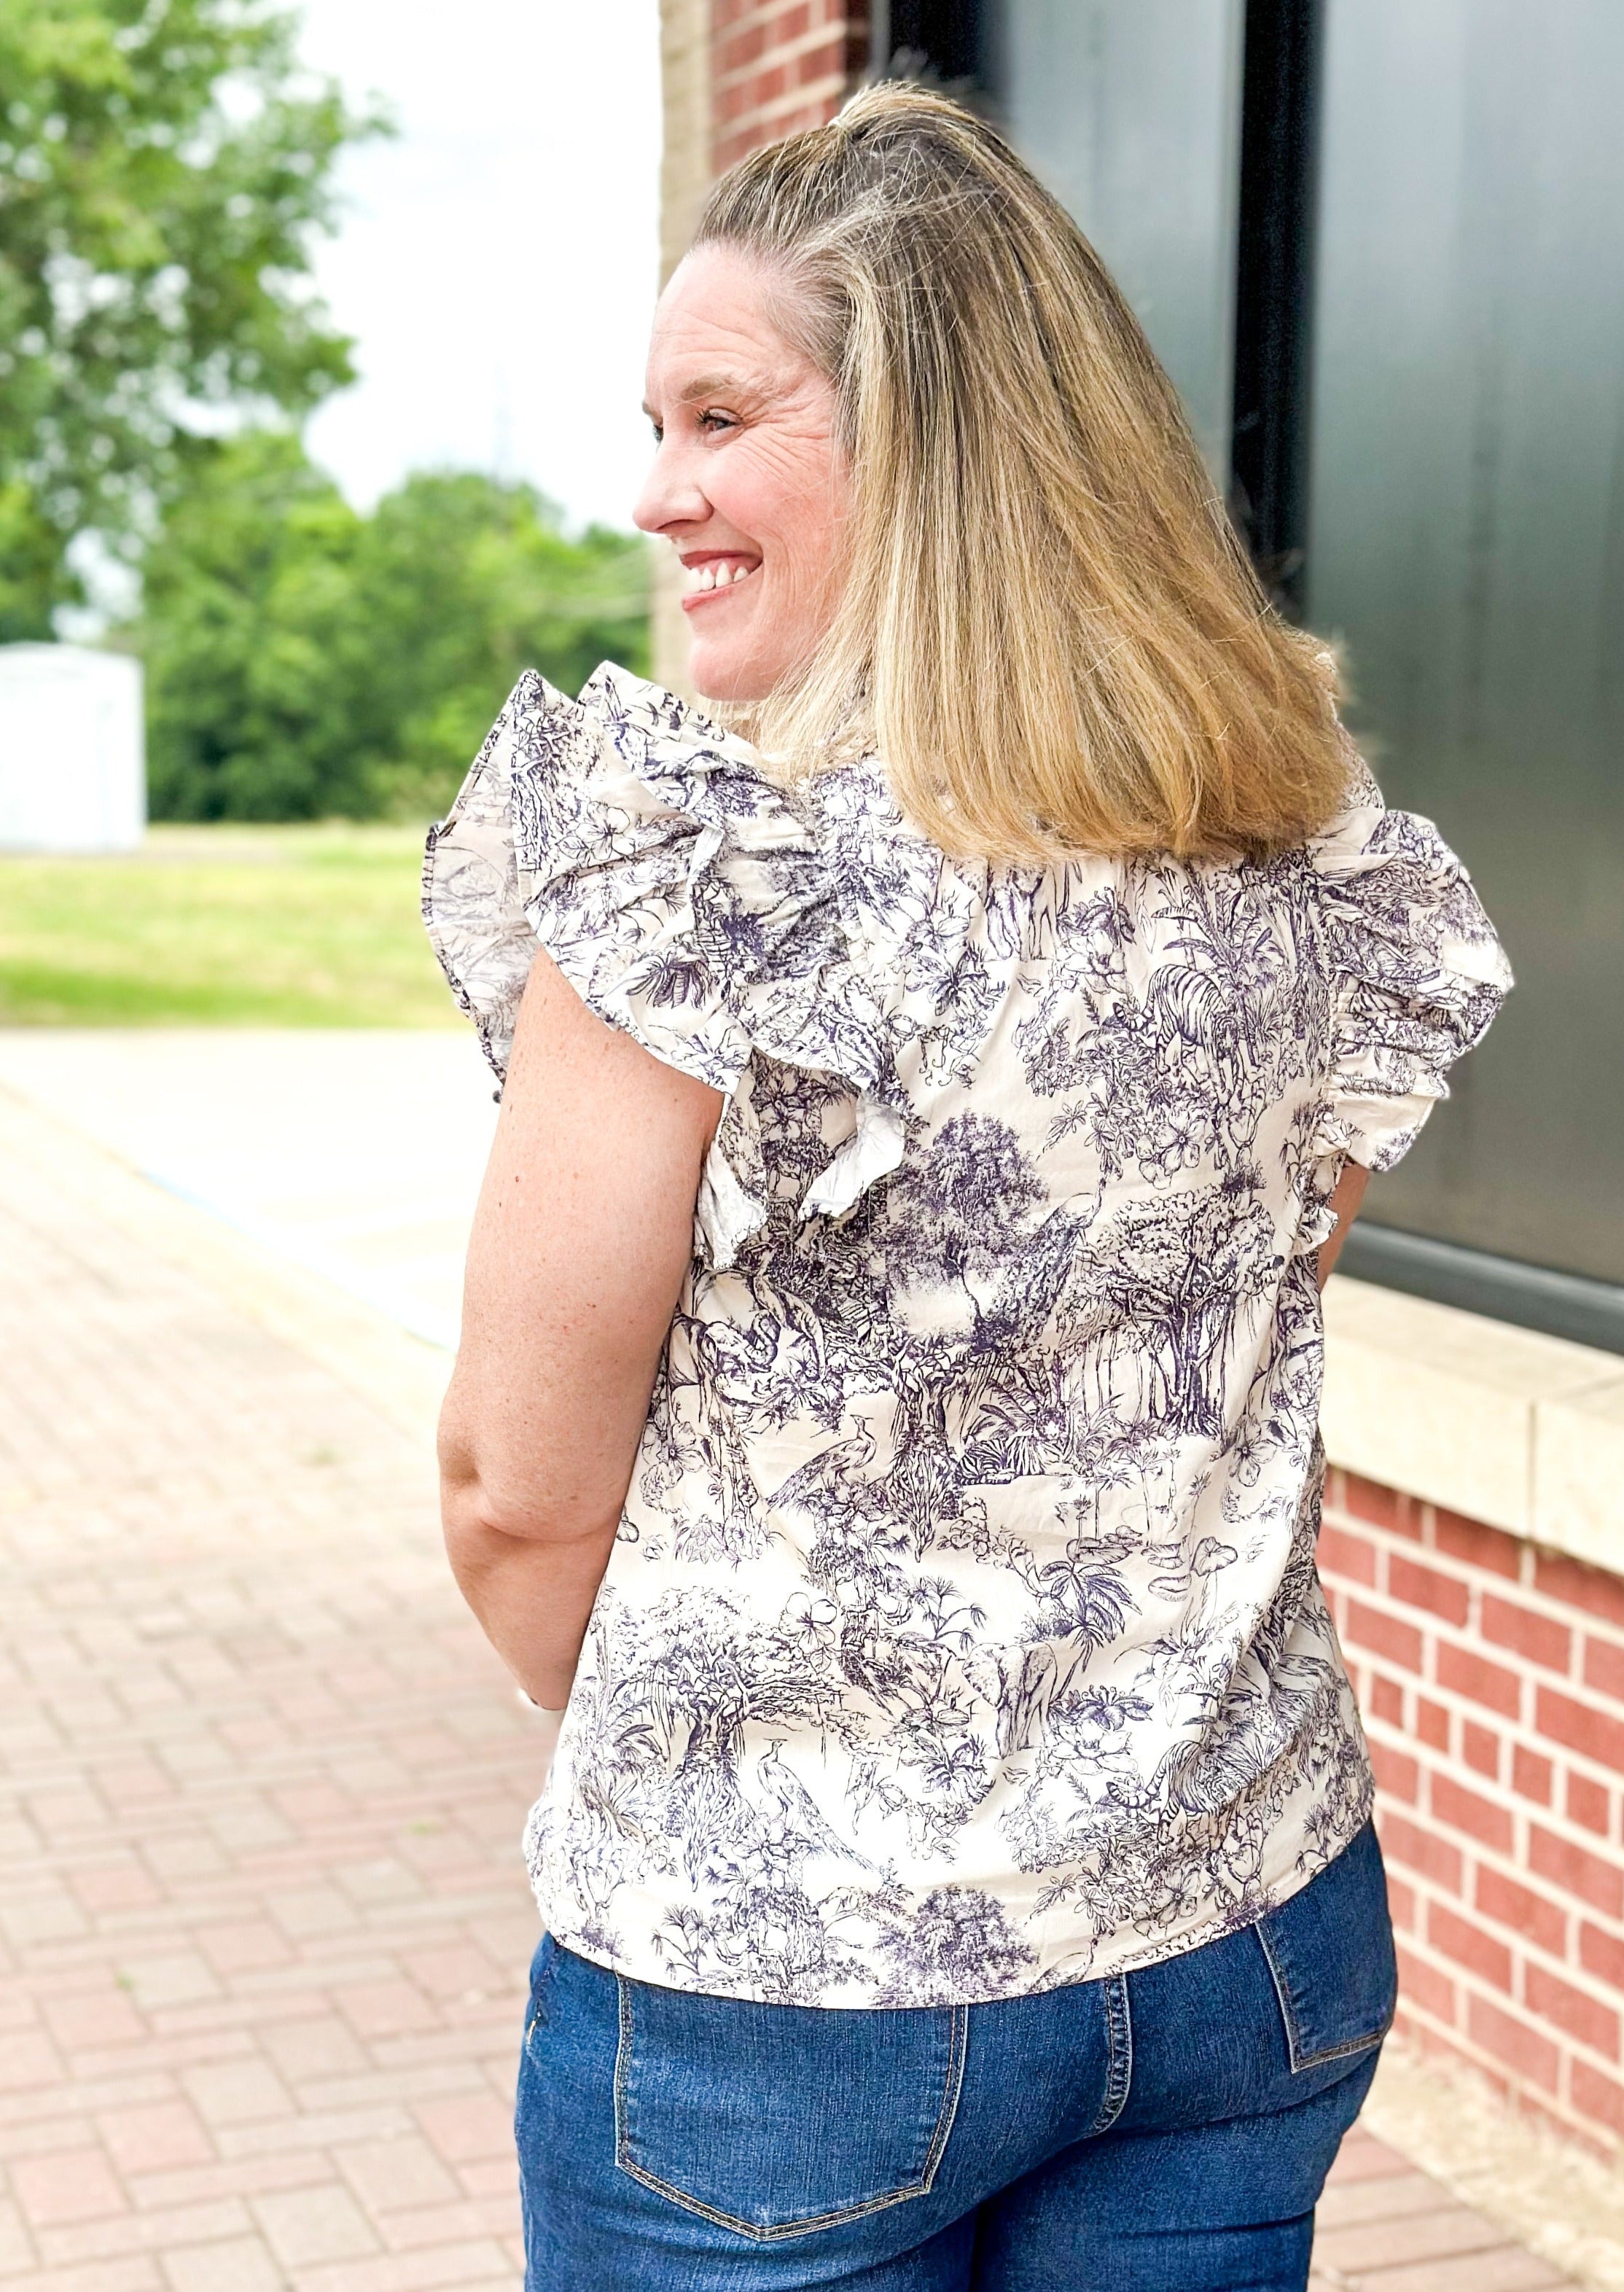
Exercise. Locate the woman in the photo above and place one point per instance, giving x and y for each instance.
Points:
(886, 1409)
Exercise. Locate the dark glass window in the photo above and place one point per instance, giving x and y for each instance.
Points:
(1379, 247)
(1466, 538)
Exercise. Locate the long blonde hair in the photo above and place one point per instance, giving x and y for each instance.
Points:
(1050, 629)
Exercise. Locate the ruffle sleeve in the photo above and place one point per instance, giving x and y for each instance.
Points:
(686, 900)
(1417, 974)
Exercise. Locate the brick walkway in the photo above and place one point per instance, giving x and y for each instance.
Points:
(1384, 2227)
(262, 1926)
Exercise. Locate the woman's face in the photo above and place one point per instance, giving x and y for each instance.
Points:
(749, 482)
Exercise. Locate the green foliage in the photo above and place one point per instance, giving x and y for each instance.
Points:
(304, 661)
(163, 164)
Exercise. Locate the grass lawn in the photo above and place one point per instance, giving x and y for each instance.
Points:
(227, 926)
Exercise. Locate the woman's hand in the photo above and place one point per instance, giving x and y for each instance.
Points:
(580, 1246)
(1346, 1194)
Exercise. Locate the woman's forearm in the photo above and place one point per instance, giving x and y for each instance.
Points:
(1344, 1201)
(532, 1594)
(583, 1239)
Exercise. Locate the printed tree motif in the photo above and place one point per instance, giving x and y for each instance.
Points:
(958, 1219)
(958, 1938)
(1181, 1274)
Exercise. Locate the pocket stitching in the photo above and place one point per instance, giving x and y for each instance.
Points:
(1299, 2059)
(1119, 2026)
(778, 2231)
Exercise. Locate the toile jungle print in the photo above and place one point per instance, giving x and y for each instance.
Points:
(962, 1638)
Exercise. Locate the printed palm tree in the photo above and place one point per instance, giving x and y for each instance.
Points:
(1083, 1605)
(951, 1045)
(1082, 1594)
(1222, 998)
(673, 978)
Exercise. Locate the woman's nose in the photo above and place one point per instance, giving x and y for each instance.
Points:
(671, 496)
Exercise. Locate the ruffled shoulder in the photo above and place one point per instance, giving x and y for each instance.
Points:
(1417, 972)
(684, 897)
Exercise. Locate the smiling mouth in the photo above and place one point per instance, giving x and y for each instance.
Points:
(714, 577)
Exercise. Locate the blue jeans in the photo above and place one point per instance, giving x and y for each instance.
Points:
(1163, 2131)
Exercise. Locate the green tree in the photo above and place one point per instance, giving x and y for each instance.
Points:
(304, 661)
(462, 582)
(163, 165)
(248, 633)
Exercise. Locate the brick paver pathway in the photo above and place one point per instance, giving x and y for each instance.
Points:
(263, 1930)
(262, 1925)
(1385, 2227)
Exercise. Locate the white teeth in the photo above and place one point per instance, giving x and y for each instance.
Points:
(721, 574)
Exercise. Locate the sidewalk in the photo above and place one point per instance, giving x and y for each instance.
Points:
(262, 1925)
(1382, 2226)
(354, 1152)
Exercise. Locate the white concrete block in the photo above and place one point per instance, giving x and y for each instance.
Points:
(1444, 1404)
(1579, 1474)
(73, 774)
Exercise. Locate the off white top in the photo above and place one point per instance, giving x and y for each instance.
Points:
(962, 1636)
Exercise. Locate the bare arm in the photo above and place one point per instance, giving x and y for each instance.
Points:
(1345, 1197)
(580, 1247)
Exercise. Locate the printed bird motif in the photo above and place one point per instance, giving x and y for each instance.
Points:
(805, 1832)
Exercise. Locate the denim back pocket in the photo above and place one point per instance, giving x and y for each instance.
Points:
(776, 2120)
(1331, 1951)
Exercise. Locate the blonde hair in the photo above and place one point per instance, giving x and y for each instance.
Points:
(1049, 629)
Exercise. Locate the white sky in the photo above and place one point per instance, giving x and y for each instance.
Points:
(497, 261)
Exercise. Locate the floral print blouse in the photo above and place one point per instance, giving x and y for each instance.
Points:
(962, 1636)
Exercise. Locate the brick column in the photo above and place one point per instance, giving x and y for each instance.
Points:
(736, 73)
(684, 177)
(685, 42)
(778, 65)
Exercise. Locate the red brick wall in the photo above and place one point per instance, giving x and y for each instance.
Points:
(778, 65)
(1491, 1679)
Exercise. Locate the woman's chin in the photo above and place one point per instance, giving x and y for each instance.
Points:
(716, 673)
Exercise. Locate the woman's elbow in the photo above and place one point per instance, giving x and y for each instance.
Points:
(481, 1505)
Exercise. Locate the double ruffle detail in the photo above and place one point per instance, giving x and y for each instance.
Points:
(1416, 972)
(686, 900)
